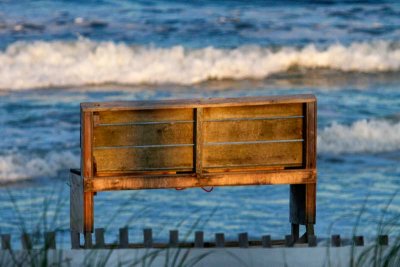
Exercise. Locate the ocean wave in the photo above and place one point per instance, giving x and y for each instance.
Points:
(363, 136)
(40, 64)
(20, 167)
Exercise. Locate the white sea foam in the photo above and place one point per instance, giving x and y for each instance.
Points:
(363, 136)
(19, 167)
(44, 64)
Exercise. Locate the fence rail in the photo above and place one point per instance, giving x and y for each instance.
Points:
(243, 241)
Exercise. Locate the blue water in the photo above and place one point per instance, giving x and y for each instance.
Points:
(55, 55)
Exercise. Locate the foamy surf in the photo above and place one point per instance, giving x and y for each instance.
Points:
(84, 62)
(20, 167)
(363, 136)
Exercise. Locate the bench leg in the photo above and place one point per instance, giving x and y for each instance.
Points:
(295, 231)
(88, 219)
(88, 240)
(75, 240)
(81, 211)
(302, 208)
(310, 229)
(76, 209)
(311, 190)
(88, 213)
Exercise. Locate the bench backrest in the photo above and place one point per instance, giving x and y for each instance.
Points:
(198, 137)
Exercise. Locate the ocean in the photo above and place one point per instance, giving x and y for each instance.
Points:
(56, 54)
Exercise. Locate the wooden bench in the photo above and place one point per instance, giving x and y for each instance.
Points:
(197, 143)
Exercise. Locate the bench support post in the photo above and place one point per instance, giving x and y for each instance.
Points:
(81, 209)
(302, 208)
(88, 212)
(88, 220)
(303, 196)
(295, 231)
(87, 122)
(311, 195)
(76, 208)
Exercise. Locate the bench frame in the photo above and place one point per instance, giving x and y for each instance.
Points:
(85, 184)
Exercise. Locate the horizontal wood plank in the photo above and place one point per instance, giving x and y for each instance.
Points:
(156, 115)
(255, 111)
(127, 159)
(246, 168)
(187, 180)
(149, 134)
(253, 130)
(161, 171)
(287, 153)
(194, 103)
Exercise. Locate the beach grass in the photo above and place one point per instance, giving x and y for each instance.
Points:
(38, 252)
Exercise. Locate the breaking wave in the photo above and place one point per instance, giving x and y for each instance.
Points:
(363, 136)
(19, 167)
(85, 62)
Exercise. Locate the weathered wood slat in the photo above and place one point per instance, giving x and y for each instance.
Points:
(251, 111)
(123, 237)
(256, 130)
(144, 158)
(336, 241)
(26, 241)
(193, 103)
(148, 238)
(6, 242)
(50, 240)
(219, 240)
(249, 154)
(150, 172)
(199, 239)
(87, 168)
(310, 205)
(142, 135)
(86, 144)
(383, 240)
(99, 235)
(289, 241)
(310, 159)
(311, 134)
(188, 180)
(88, 240)
(243, 240)
(312, 240)
(76, 203)
(199, 135)
(88, 214)
(242, 168)
(358, 240)
(75, 241)
(297, 207)
(173, 238)
(295, 231)
(156, 115)
(266, 241)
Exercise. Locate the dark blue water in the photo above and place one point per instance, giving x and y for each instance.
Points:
(201, 23)
(55, 55)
